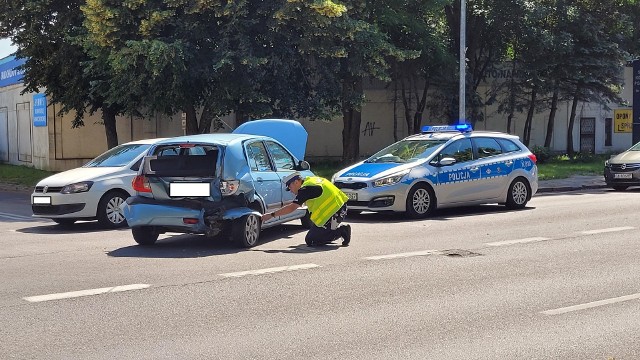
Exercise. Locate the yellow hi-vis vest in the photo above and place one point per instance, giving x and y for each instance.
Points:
(325, 205)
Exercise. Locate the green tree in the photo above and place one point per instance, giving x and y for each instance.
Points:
(48, 35)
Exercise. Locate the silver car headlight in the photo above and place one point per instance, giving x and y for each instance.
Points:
(390, 180)
(77, 187)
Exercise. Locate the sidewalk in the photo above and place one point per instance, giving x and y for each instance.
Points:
(576, 182)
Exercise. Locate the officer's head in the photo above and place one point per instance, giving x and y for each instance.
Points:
(293, 182)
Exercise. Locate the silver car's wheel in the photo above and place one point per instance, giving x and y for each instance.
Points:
(420, 201)
(109, 213)
(246, 230)
(519, 194)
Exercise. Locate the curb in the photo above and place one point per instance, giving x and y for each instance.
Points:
(569, 188)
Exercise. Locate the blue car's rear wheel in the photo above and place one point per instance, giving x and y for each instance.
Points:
(246, 230)
(145, 235)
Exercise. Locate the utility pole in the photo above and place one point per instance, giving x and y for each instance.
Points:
(463, 63)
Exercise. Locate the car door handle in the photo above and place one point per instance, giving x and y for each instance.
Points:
(474, 169)
(508, 163)
(259, 179)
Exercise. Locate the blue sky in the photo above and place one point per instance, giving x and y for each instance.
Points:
(6, 48)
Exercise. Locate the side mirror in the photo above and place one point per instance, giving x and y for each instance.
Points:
(303, 165)
(447, 161)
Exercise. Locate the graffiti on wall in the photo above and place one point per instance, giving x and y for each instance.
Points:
(369, 128)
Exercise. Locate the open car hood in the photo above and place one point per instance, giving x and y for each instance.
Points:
(289, 133)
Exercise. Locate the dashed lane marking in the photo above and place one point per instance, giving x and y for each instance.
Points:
(270, 270)
(519, 241)
(591, 305)
(402, 255)
(600, 231)
(90, 292)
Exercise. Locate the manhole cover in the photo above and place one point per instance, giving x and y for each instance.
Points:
(459, 253)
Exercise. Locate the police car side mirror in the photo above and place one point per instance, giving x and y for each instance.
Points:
(447, 161)
(303, 165)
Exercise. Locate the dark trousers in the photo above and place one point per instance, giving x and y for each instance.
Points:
(329, 232)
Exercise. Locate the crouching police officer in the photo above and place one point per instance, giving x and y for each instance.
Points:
(327, 206)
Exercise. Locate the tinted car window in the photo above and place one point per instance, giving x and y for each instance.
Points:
(487, 147)
(508, 145)
(118, 156)
(257, 157)
(460, 150)
(283, 160)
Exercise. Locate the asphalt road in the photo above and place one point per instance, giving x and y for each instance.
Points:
(557, 280)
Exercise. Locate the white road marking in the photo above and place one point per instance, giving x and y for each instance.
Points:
(75, 294)
(15, 217)
(519, 241)
(600, 231)
(402, 255)
(591, 304)
(270, 270)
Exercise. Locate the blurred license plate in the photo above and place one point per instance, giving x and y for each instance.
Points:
(189, 189)
(352, 196)
(622, 176)
(42, 200)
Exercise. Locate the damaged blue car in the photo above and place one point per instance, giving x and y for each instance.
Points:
(218, 183)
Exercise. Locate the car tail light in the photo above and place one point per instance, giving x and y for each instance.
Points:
(229, 187)
(533, 158)
(141, 184)
(190, 221)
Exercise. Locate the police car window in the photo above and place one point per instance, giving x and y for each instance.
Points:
(257, 157)
(282, 158)
(487, 147)
(508, 145)
(405, 151)
(460, 150)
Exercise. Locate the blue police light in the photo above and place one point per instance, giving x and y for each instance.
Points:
(445, 128)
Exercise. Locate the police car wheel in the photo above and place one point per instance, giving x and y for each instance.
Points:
(420, 201)
(245, 231)
(145, 235)
(519, 194)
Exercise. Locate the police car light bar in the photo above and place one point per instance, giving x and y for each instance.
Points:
(445, 128)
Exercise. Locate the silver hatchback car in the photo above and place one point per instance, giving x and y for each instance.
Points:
(623, 170)
(444, 166)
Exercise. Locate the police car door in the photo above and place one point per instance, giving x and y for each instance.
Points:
(495, 167)
(457, 182)
(265, 180)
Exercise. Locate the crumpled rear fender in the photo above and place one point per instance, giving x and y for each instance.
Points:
(236, 213)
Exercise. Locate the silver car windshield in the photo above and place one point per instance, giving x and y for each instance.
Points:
(120, 155)
(406, 151)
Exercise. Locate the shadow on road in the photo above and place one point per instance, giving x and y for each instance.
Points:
(77, 228)
(196, 246)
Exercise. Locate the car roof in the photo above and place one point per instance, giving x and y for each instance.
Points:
(144, 141)
(446, 135)
(218, 139)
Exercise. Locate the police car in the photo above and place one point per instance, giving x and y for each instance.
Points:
(443, 166)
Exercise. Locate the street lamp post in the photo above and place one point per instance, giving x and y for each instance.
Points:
(463, 63)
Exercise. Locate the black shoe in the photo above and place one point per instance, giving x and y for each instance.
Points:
(346, 234)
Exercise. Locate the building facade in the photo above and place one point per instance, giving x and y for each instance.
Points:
(33, 134)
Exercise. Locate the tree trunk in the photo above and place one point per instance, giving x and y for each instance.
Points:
(395, 111)
(351, 118)
(572, 118)
(420, 106)
(192, 120)
(240, 117)
(526, 137)
(206, 118)
(109, 120)
(552, 117)
(406, 103)
(512, 97)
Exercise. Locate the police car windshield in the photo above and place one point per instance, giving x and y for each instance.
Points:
(406, 151)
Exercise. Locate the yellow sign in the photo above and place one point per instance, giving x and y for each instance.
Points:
(623, 120)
